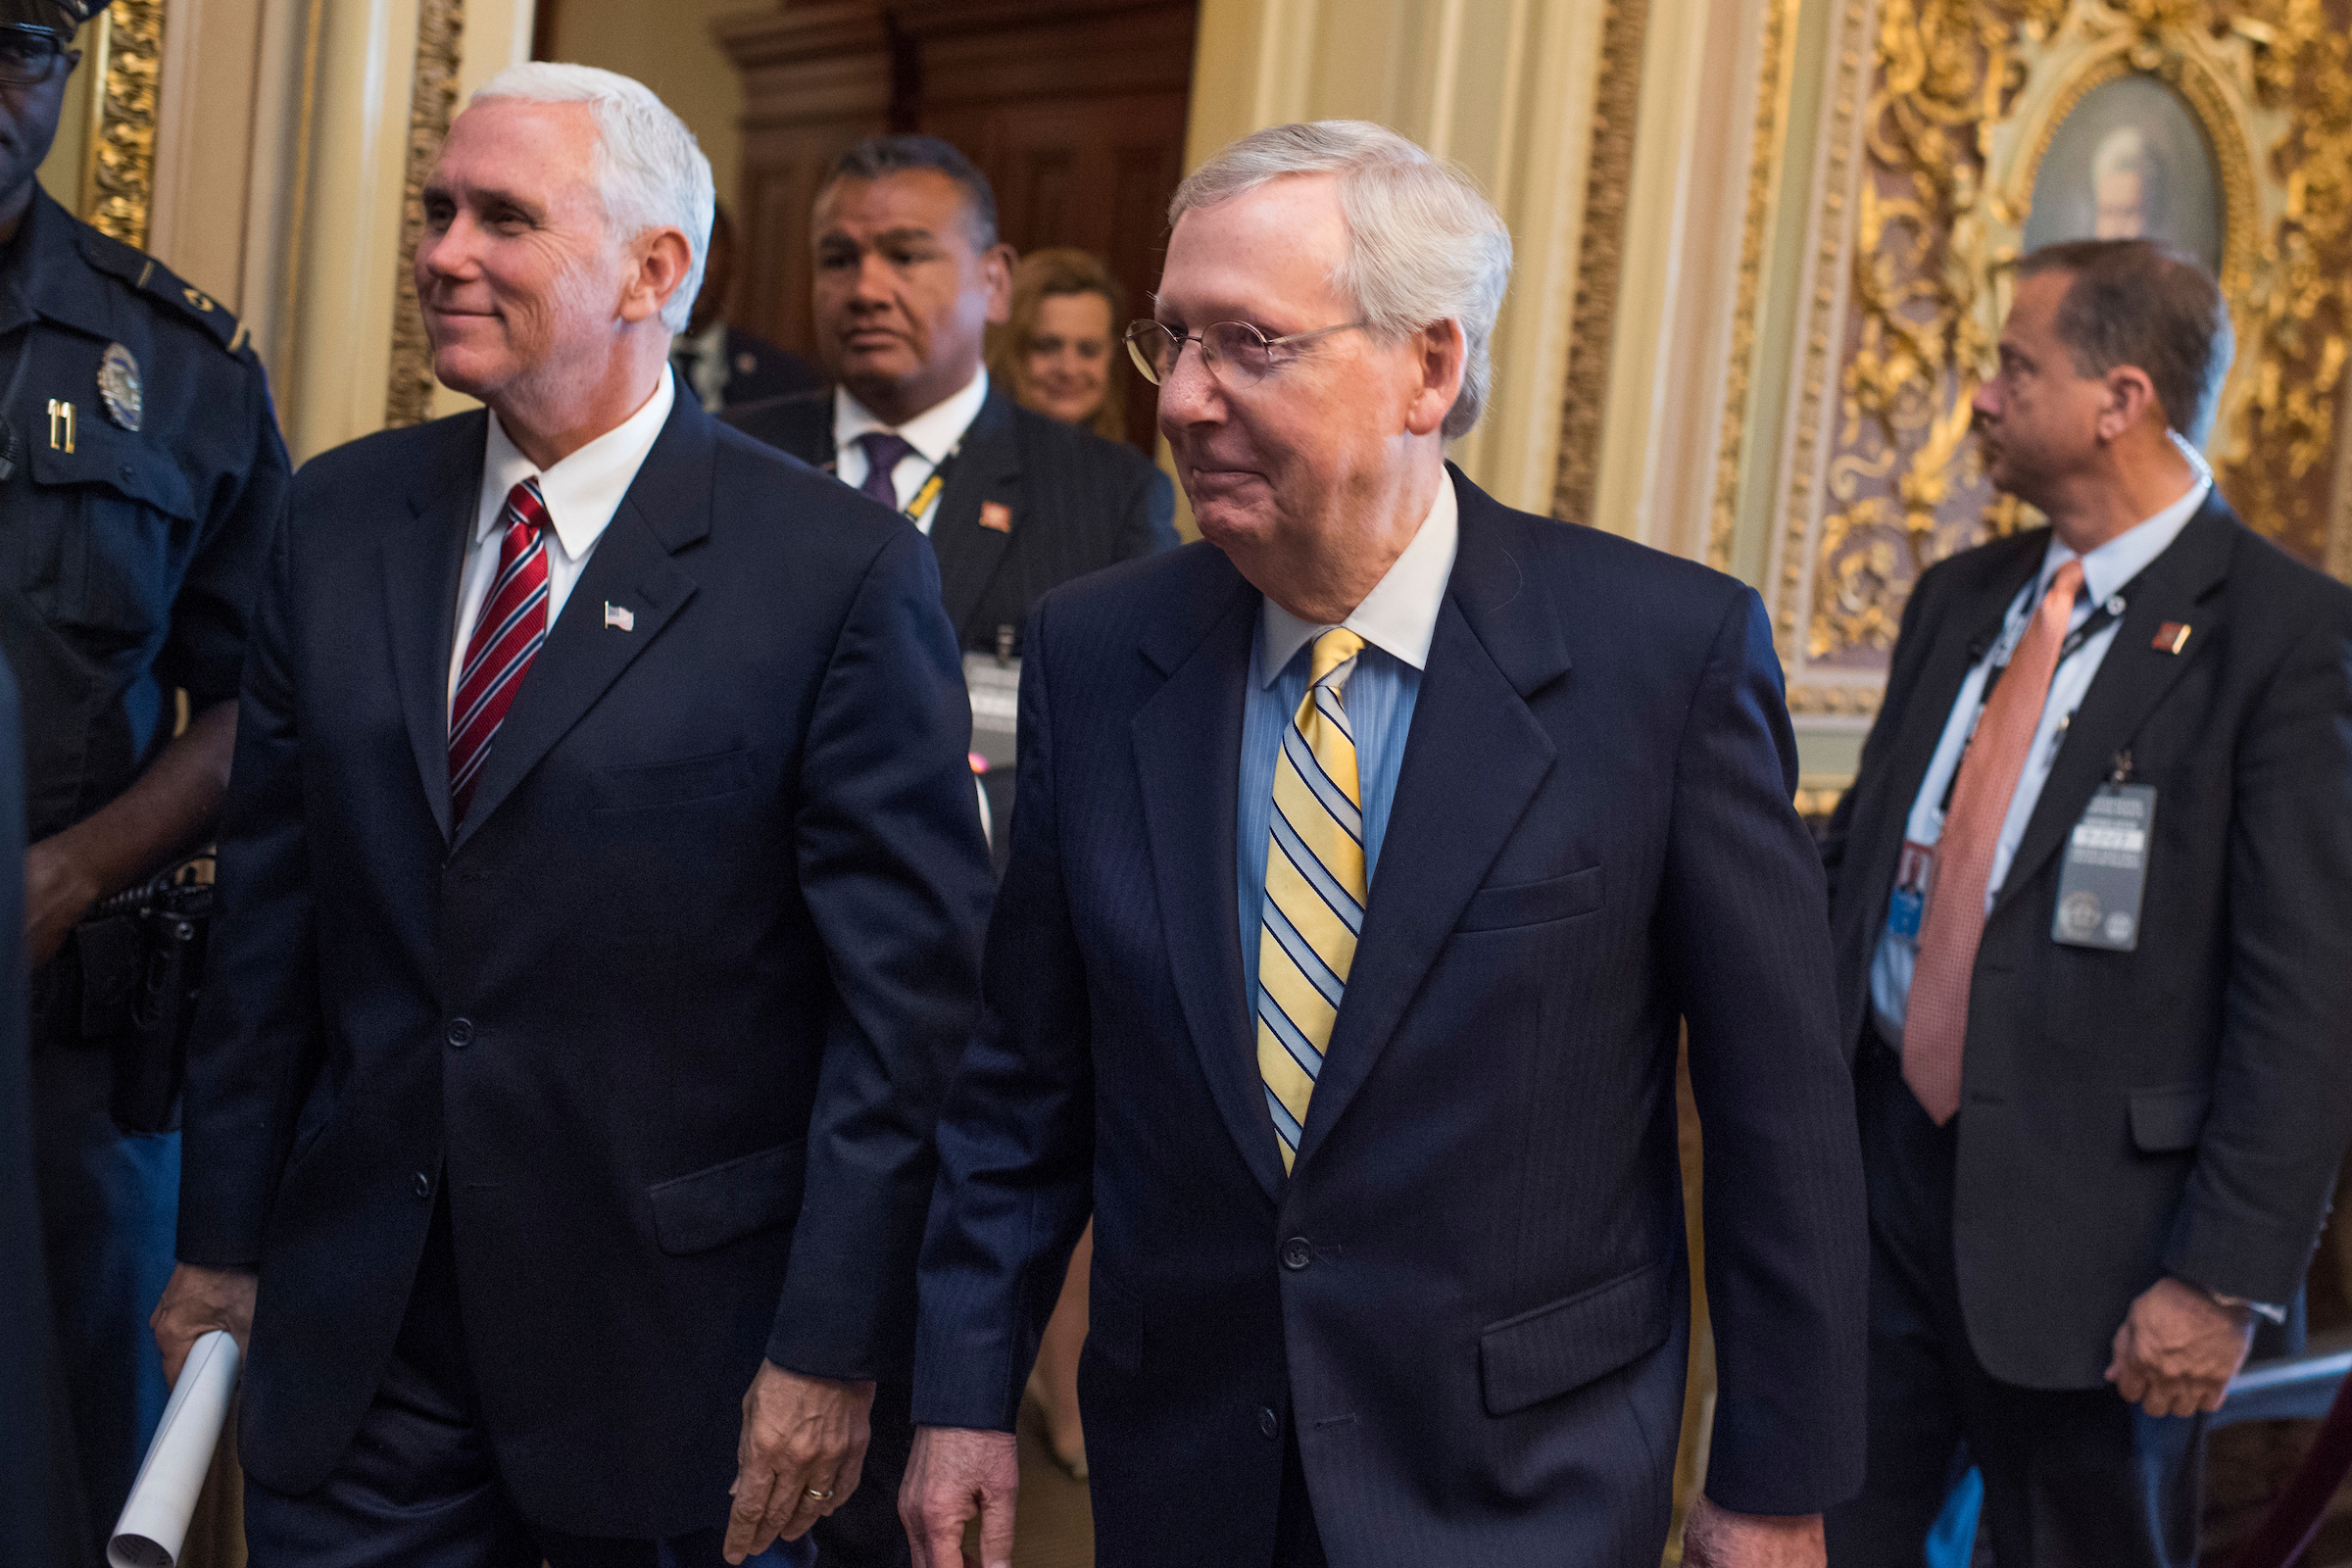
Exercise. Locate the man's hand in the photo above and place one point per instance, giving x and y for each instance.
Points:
(953, 1474)
(197, 1301)
(2178, 1349)
(1716, 1537)
(59, 889)
(800, 1435)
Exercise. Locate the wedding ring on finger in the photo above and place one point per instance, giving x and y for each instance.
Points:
(815, 1496)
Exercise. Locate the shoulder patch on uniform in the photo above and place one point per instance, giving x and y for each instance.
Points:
(151, 277)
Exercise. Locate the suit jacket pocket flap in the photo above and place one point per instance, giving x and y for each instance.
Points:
(726, 1202)
(2165, 1122)
(1532, 1357)
(693, 778)
(1558, 898)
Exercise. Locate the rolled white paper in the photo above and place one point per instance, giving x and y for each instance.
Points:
(155, 1520)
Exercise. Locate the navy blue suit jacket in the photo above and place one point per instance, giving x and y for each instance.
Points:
(1470, 1301)
(669, 1013)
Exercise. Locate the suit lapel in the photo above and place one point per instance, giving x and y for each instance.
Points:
(1977, 622)
(1474, 757)
(422, 564)
(667, 507)
(987, 470)
(2133, 678)
(1190, 732)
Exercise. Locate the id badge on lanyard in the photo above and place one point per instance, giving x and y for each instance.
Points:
(1914, 872)
(2103, 879)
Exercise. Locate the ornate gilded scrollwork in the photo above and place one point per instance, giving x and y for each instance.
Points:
(1962, 103)
(126, 50)
(432, 96)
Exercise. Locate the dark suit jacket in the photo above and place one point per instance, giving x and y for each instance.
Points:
(758, 370)
(1077, 504)
(26, 1533)
(1471, 1301)
(2181, 1108)
(670, 1009)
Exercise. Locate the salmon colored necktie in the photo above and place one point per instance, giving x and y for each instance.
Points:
(1936, 1025)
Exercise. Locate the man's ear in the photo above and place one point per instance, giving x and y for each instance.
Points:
(664, 259)
(2130, 398)
(1443, 355)
(995, 269)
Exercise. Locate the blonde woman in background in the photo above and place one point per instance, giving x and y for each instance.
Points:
(1059, 351)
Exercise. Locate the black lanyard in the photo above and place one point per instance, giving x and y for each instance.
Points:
(2110, 610)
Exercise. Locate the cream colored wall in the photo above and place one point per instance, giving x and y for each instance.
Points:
(1506, 88)
(670, 47)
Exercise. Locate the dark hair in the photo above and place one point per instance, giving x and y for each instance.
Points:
(877, 156)
(2133, 302)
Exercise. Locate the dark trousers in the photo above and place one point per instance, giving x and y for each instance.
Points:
(2072, 1477)
(420, 1487)
(109, 1203)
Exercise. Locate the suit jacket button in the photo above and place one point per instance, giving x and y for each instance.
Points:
(1269, 1423)
(460, 1033)
(422, 1185)
(1296, 1254)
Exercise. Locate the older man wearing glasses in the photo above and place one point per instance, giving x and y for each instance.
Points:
(1369, 858)
(140, 470)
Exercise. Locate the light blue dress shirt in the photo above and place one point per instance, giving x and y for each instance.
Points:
(2105, 571)
(1397, 621)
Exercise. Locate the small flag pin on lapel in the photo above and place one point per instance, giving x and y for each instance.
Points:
(620, 617)
(996, 517)
(2170, 637)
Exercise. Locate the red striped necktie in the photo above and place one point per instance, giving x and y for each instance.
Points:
(506, 634)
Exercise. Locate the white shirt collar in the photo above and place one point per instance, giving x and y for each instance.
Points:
(2122, 558)
(933, 432)
(1399, 616)
(585, 489)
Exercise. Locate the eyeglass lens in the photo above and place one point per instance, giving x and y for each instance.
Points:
(1231, 350)
(27, 55)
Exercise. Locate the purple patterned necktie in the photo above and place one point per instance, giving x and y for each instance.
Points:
(884, 451)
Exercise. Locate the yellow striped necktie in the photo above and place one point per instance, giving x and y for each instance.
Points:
(1315, 886)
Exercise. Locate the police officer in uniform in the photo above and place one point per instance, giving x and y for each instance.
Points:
(141, 472)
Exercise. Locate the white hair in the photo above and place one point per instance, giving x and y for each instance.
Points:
(1423, 245)
(649, 169)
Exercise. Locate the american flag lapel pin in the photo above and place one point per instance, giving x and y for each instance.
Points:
(619, 618)
(2170, 637)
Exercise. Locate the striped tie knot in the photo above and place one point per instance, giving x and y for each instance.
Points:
(1334, 649)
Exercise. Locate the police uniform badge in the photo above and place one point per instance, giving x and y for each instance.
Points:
(119, 386)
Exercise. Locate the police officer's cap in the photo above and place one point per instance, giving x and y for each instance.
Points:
(63, 15)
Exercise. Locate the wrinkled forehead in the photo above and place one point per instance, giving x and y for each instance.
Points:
(1272, 252)
(540, 152)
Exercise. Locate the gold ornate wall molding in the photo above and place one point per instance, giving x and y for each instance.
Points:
(1932, 138)
(1600, 260)
(1763, 197)
(125, 49)
(433, 98)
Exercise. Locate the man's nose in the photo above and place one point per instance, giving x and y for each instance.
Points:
(1189, 395)
(450, 252)
(877, 284)
(1988, 401)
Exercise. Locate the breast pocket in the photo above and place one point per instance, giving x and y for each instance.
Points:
(1522, 904)
(679, 783)
(106, 537)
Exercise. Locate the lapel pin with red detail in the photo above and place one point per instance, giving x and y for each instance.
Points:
(2170, 637)
(996, 517)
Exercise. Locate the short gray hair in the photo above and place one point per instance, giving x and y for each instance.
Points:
(1423, 245)
(649, 169)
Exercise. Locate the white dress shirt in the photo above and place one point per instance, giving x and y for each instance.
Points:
(2105, 571)
(934, 434)
(581, 492)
